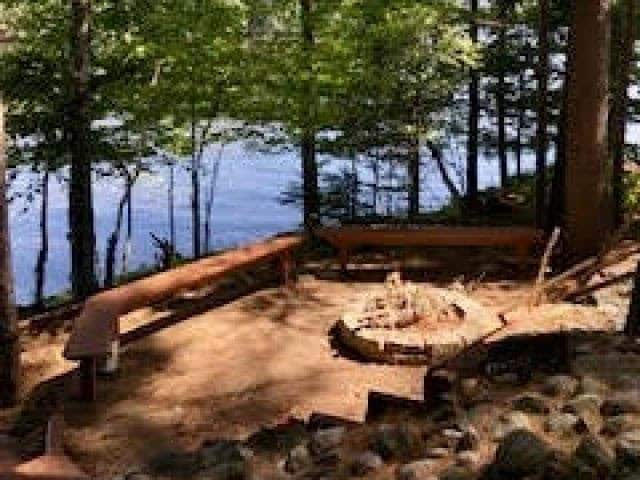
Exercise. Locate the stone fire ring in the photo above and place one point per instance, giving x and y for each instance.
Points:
(423, 343)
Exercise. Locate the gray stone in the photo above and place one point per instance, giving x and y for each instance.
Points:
(298, 460)
(456, 472)
(587, 407)
(592, 459)
(565, 424)
(452, 434)
(613, 426)
(531, 403)
(468, 459)
(560, 386)
(520, 454)
(227, 471)
(628, 449)
(365, 463)
(628, 402)
(223, 452)
(509, 422)
(590, 385)
(391, 441)
(324, 441)
(419, 470)
(437, 452)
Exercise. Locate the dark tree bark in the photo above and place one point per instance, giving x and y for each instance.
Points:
(632, 326)
(588, 212)
(311, 213)
(81, 222)
(436, 152)
(501, 93)
(9, 337)
(622, 53)
(195, 189)
(43, 254)
(542, 142)
(474, 115)
(520, 124)
(112, 243)
(171, 206)
(413, 170)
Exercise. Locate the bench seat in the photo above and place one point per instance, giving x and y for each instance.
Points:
(345, 239)
(97, 326)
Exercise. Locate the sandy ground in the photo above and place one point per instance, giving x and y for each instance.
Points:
(226, 373)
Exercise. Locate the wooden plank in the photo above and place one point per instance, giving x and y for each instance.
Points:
(97, 325)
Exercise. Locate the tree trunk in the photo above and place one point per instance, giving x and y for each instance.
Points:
(413, 171)
(311, 208)
(588, 213)
(632, 326)
(436, 152)
(43, 255)
(622, 53)
(172, 209)
(112, 243)
(542, 144)
(474, 115)
(195, 190)
(9, 337)
(81, 222)
(502, 97)
(521, 120)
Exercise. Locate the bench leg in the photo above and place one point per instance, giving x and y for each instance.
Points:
(88, 371)
(287, 269)
(343, 257)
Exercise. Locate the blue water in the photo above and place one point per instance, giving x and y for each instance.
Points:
(248, 206)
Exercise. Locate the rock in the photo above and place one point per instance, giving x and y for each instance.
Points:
(473, 391)
(510, 422)
(587, 407)
(507, 379)
(470, 439)
(325, 441)
(392, 441)
(227, 471)
(520, 454)
(628, 449)
(565, 424)
(620, 404)
(590, 385)
(452, 434)
(298, 460)
(138, 476)
(560, 386)
(531, 403)
(437, 452)
(219, 452)
(618, 424)
(366, 463)
(173, 463)
(468, 459)
(456, 472)
(420, 470)
(592, 459)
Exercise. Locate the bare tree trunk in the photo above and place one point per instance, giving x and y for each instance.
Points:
(588, 213)
(436, 152)
(413, 170)
(81, 222)
(43, 255)
(208, 208)
(502, 97)
(172, 208)
(622, 51)
(542, 144)
(520, 125)
(126, 251)
(311, 213)
(112, 243)
(632, 326)
(9, 337)
(195, 189)
(474, 116)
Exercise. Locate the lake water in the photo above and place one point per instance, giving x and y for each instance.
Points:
(248, 206)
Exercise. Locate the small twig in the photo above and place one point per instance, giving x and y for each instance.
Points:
(544, 265)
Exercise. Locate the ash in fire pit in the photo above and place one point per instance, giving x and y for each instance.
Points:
(402, 322)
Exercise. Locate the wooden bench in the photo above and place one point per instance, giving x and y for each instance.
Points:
(96, 331)
(347, 239)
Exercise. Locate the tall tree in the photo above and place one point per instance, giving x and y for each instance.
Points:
(586, 187)
(622, 54)
(474, 116)
(81, 221)
(308, 142)
(542, 143)
(501, 92)
(9, 338)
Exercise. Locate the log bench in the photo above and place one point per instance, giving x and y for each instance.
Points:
(348, 238)
(96, 331)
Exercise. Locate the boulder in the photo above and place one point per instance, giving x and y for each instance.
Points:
(298, 460)
(509, 422)
(592, 459)
(521, 454)
(366, 463)
(392, 441)
(565, 424)
(326, 440)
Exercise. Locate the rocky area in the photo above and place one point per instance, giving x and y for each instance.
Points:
(574, 425)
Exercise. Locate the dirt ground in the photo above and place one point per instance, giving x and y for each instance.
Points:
(229, 371)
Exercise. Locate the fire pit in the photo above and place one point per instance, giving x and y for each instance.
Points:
(405, 323)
